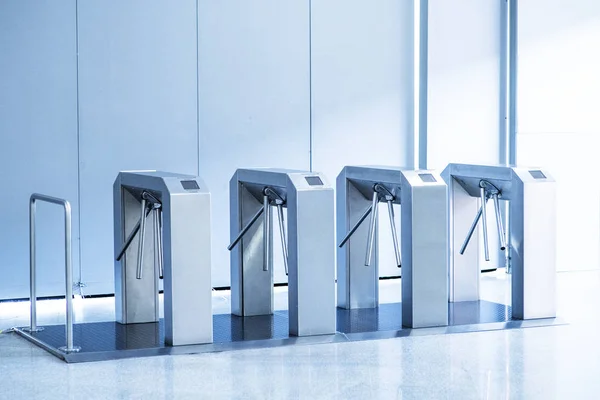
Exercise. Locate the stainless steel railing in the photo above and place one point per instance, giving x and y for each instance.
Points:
(69, 348)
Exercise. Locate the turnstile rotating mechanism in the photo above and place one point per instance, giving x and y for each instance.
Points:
(308, 255)
(422, 252)
(175, 210)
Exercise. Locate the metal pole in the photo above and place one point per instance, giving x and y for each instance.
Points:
(69, 278)
(355, 227)
(373, 223)
(140, 260)
(282, 233)
(155, 239)
(32, 285)
(267, 233)
(499, 222)
(470, 233)
(159, 239)
(246, 228)
(484, 221)
(394, 233)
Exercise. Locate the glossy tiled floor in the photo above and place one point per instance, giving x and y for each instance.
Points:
(560, 362)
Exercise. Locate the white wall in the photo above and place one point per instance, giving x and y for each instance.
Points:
(254, 90)
(362, 92)
(185, 86)
(38, 139)
(558, 124)
(137, 103)
(463, 82)
(463, 96)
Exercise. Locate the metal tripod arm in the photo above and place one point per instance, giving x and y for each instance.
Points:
(499, 224)
(394, 233)
(389, 197)
(472, 229)
(283, 240)
(246, 229)
(356, 226)
(486, 249)
(372, 226)
(131, 236)
(158, 241)
(266, 233)
(140, 259)
(149, 204)
(487, 191)
(156, 204)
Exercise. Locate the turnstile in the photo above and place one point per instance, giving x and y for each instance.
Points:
(308, 255)
(424, 241)
(531, 242)
(174, 210)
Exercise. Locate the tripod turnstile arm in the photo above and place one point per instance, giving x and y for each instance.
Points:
(501, 233)
(471, 231)
(486, 249)
(267, 233)
(130, 238)
(356, 226)
(149, 204)
(283, 241)
(487, 190)
(140, 259)
(372, 225)
(394, 233)
(266, 209)
(158, 242)
(245, 229)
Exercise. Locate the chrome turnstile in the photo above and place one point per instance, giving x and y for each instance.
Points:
(308, 255)
(162, 231)
(531, 242)
(422, 253)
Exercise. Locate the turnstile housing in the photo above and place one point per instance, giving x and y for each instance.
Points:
(186, 255)
(310, 218)
(424, 242)
(531, 193)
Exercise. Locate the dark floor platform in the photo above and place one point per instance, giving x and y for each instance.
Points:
(110, 340)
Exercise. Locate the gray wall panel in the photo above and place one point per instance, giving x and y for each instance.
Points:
(254, 100)
(362, 86)
(138, 108)
(38, 132)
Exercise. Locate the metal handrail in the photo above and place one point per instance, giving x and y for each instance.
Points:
(69, 348)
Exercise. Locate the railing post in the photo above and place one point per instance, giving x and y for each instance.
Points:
(32, 276)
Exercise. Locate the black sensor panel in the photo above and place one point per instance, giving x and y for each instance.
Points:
(314, 181)
(428, 178)
(190, 185)
(537, 174)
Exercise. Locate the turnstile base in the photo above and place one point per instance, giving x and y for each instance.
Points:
(109, 340)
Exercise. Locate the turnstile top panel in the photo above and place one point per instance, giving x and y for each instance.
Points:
(158, 174)
(390, 174)
(532, 174)
(365, 177)
(372, 174)
(161, 182)
(501, 176)
(282, 178)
